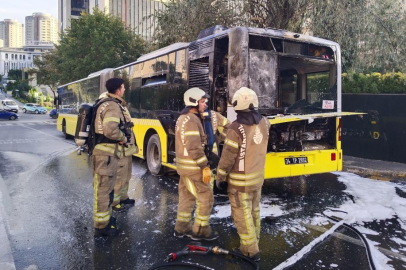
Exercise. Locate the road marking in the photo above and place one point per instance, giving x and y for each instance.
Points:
(22, 141)
(63, 140)
(28, 123)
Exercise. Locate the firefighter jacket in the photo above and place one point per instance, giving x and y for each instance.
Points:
(220, 124)
(190, 141)
(242, 161)
(110, 123)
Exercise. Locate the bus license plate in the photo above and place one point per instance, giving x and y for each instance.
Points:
(295, 160)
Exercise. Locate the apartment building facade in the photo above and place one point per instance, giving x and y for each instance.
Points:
(12, 33)
(41, 28)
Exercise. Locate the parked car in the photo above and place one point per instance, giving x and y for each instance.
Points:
(53, 114)
(34, 108)
(9, 105)
(8, 115)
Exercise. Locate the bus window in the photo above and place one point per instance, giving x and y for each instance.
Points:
(288, 88)
(317, 86)
(155, 80)
(148, 68)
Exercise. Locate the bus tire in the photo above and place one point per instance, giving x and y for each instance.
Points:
(67, 136)
(154, 155)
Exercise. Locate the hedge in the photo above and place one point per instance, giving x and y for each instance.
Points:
(393, 83)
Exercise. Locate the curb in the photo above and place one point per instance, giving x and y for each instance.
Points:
(375, 169)
(376, 174)
(6, 254)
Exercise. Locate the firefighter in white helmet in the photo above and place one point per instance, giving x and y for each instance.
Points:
(193, 169)
(242, 166)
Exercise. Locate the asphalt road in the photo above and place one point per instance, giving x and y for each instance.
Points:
(49, 198)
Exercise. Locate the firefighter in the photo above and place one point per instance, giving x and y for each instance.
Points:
(242, 165)
(220, 125)
(113, 143)
(215, 127)
(124, 169)
(193, 169)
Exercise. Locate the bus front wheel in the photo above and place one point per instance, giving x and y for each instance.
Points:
(154, 155)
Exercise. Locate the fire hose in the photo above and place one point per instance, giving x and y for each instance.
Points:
(195, 248)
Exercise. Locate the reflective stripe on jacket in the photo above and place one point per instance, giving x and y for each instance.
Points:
(243, 158)
(110, 115)
(190, 140)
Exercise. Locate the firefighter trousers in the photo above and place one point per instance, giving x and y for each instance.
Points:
(124, 170)
(245, 212)
(104, 169)
(192, 191)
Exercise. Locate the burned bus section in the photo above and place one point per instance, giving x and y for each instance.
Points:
(290, 78)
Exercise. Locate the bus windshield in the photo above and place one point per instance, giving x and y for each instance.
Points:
(292, 77)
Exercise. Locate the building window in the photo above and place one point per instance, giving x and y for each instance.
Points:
(6, 55)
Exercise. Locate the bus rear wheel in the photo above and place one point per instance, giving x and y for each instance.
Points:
(67, 136)
(154, 155)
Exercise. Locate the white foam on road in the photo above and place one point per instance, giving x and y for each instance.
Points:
(266, 205)
(372, 200)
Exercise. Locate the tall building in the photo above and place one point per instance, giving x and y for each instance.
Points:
(68, 10)
(41, 28)
(136, 14)
(12, 33)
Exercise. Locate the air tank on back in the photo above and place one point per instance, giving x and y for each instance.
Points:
(83, 124)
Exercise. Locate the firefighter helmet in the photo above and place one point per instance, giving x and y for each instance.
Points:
(245, 99)
(193, 95)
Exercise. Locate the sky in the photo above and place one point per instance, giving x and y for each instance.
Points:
(19, 9)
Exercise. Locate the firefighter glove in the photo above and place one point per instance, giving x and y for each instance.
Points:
(206, 175)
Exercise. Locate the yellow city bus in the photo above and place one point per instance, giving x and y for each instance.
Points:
(297, 79)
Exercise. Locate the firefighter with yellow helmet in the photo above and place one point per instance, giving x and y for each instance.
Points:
(193, 168)
(242, 165)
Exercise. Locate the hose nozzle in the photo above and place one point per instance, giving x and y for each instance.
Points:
(218, 250)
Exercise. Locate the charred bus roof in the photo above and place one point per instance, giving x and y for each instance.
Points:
(220, 31)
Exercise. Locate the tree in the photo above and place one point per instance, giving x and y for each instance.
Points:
(182, 20)
(94, 42)
(371, 36)
(280, 14)
(15, 74)
(46, 71)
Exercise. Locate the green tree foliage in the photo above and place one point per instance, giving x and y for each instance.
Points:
(15, 74)
(46, 71)
(281, 14)
(94, 42)
(371, 36)
(182, 20)
(375, 82)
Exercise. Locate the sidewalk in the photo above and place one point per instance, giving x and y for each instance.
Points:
(6, 254)
(375, 169)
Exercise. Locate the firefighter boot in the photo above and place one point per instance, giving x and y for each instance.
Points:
(255, 258)
(128, 201)
(205, 233)
(110, 230)
(119, 208)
